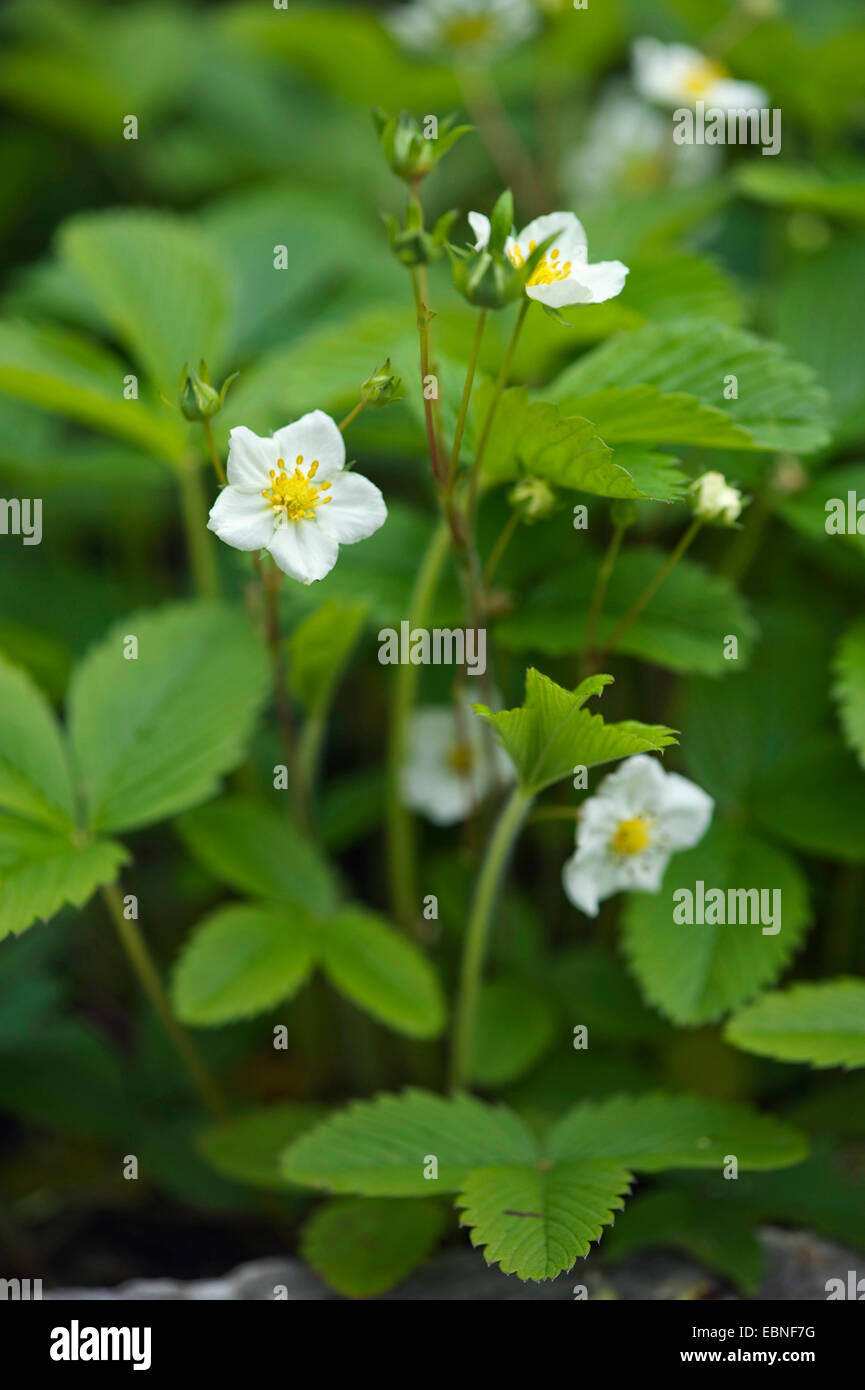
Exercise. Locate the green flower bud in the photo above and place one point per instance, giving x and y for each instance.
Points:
(485, 280)
(381, 388)
(413, 244)
(412, 151)
(197, 399)
(533, 498)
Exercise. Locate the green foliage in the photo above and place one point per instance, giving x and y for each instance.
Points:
(151, 736)
(551, 733)
(502, 1053)
(708, 1231)
(247, 1146)
(696, 972)
(823, 1024)
(364, 1246)
(850, 688)
(535, 1206)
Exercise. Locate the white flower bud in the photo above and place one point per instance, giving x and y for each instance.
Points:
(715, 500)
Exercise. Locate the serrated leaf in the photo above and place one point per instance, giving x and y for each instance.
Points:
(362, 1246)
(158, 282)
(849, 689)
(152, 736)
(41, 870)
(551, 732)
(695, 973)
(653, 1132)
(536, 1224)
(779, 404)
(515, 1026)
(383, 972)
(247, 1147)
(242, 960)
(823, 1024)
(67, 375)
(683, 628)
(381, 1147)
(35, 776)
(646, 414)
(258, 850)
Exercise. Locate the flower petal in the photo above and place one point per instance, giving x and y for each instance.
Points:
(250, 459)
(480, 225)
(684, 811)
(570, 235)
(242, 519)
(587, 284)
(589, 881)
(313, 436)
(303, 551)
(355, 510)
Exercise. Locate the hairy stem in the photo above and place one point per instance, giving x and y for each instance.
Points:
(199, 541)
(650, 590)
(464, 403)
(214, 456)
(596, 606)
(504, 373)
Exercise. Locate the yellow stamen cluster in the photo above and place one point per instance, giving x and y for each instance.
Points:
(546, 271)
(468, 29)
(460, 759)
(631, 836)
(295, 493)
(702, 76)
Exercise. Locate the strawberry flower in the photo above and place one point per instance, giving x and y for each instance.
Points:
(290, 494)
(564, 275)
(673, 74)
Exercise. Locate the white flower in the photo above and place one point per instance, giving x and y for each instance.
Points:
(468, 29)
(672, 74)
(289, 495)
(627, 148)
(564, 275)
(638, 817)
(450, 764)
(715, 500)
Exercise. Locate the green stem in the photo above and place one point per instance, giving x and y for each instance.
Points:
(418, 284)
(478, 930)
(596, 607)
(145, 968)
(650, 590)
(214, 456)
(464, 403)
(501, 545)
(270, 580)
(400, 826)
(194, 507)
(504, 372)
(544, 813)
(352, 415)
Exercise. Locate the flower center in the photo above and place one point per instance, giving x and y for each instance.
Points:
(460, 759)
(631, 836)
(702, 75)
(547, 270)
(295, 494)
(468, 29)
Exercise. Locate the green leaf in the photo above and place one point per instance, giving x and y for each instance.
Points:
(823, 1024)
(849, 687)
(531, 437)
(385, 974)
(66, 1078)
(35, 776)
(653, 1132)
(63, 373)
(158, 283)
(381, 1147)
(319, 651)
(798, 186)
(41, 870)
(152, 736)
(683, 628)
(714, 1234)
(550, 733)
(815, 800)
(362, 1246)
(535, 1224)
(247, 1147)
(779, 403)
(242, 960)
(504, 1051)
(258, 850)
(695, 973)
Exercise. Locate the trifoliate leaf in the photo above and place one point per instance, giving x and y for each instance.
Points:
(695, 972)
(551, 733)
(537, 1223)
(362, 1246)
(823, 1024)
(257, 850)
(153, 732)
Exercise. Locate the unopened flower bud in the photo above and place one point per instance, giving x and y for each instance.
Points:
(198, 400)
(715, 501)
(382, 387)
(533, 498)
